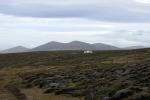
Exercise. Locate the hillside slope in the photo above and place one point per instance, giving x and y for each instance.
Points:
(17, 49)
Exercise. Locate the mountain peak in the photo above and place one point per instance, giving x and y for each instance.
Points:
(54, 42)
(16, 49)
(76, 42)
(20, 47)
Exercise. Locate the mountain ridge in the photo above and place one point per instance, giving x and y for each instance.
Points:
(73, 45)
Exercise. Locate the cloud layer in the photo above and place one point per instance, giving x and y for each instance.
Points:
(117, 22)
(108, 10)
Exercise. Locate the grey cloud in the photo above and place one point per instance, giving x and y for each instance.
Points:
(141, 37)
(114, 11)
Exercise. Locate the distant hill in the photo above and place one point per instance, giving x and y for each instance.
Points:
(17, 49)
(74, 45)
(134, 47)
(102, 46)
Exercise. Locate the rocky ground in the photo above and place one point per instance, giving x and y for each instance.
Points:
(109, 75)
(130, 82)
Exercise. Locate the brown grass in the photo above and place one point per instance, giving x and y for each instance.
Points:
(37, 94)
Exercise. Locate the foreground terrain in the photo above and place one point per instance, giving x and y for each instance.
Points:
(73, 75)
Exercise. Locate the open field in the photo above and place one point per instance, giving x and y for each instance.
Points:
(72, 75)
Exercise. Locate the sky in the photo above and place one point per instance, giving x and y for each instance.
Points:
(31, 23)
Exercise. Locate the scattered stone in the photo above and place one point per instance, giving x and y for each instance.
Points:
(124, 93)
(120, 72)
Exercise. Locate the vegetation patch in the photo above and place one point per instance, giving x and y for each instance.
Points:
(103, 75)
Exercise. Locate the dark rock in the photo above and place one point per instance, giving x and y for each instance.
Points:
(96, 96)
(49, 90)
(65, 91)
(120, 72)
(56, 85)
(141, 96)
(124, 93)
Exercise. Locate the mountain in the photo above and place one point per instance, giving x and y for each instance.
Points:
(50, 46)
(102, 46)
(77, 45)
(17, 49)
(134, 47)
(74, 45)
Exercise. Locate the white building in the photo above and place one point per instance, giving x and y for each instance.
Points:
(88, 52)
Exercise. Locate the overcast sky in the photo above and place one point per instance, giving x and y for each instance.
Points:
(33, 22)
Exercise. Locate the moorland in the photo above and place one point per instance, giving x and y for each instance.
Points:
(73, 75)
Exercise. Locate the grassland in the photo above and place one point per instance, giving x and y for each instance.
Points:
(72, 75)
